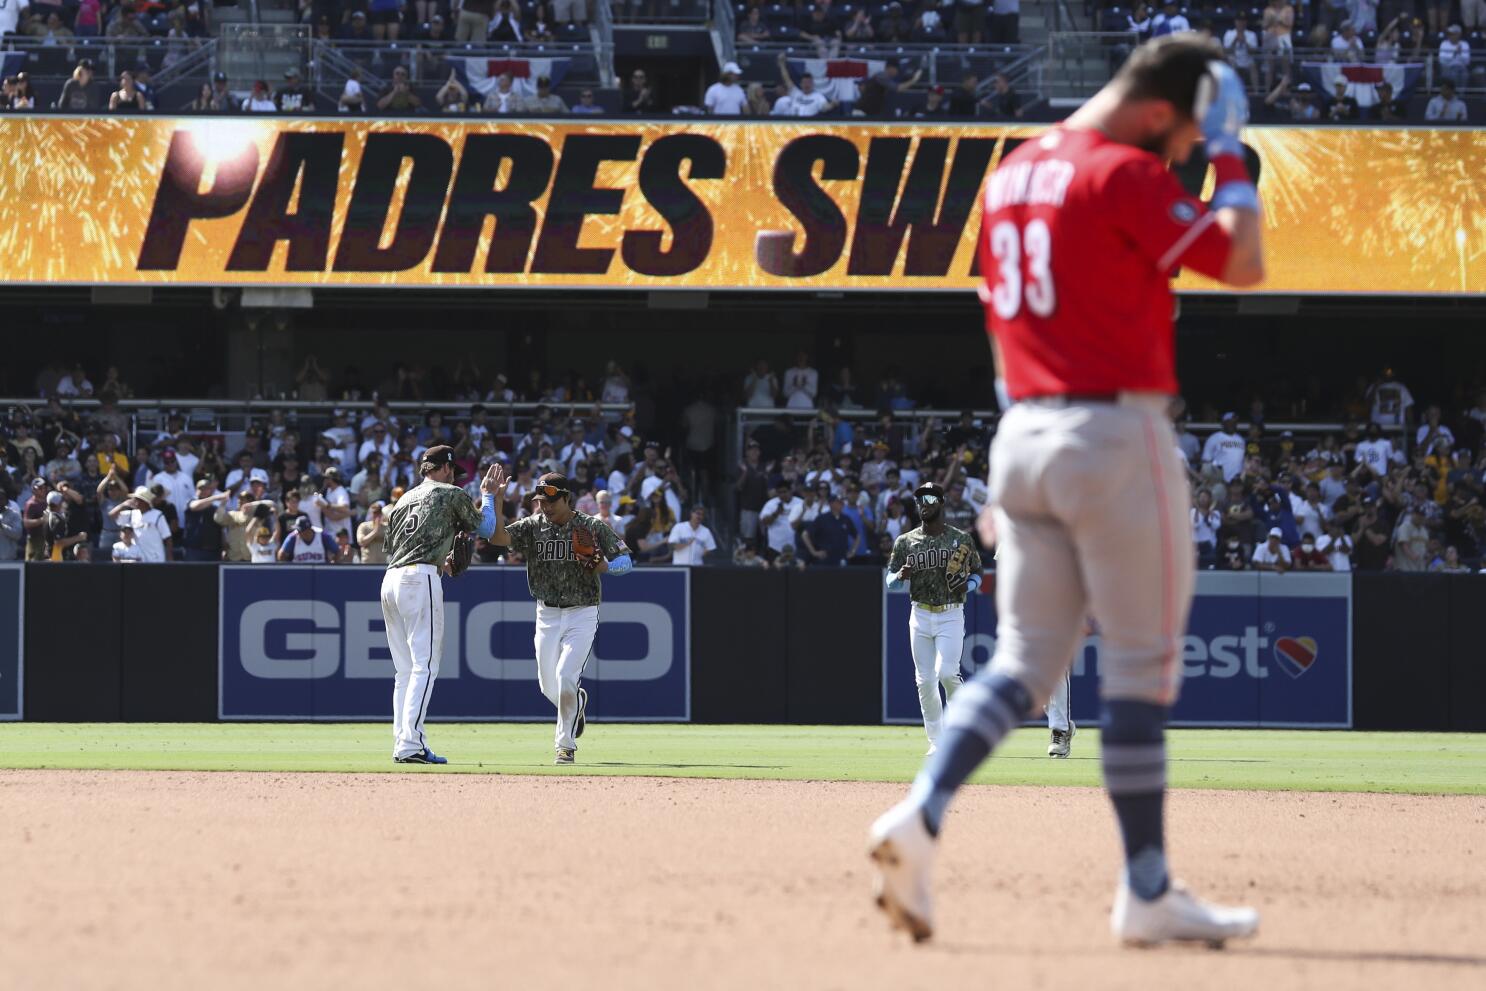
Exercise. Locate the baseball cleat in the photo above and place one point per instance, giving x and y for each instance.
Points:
(1062, 742)
(933, 749)
(421, 757)
(900, 845)
(565, 756)
(581, 723)
(1178, 916)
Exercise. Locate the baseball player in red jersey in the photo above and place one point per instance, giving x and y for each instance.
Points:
(1083, 229)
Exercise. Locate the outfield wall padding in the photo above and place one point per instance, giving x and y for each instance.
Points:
(1401, 634)
(740, 665)
(168, 628)
(74, 655)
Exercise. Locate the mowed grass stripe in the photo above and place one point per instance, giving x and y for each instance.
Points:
(1419, 763)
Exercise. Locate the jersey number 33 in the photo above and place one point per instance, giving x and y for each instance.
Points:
(1037, 292)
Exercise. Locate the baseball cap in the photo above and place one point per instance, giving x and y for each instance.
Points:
(731, 69)
(54, 498)
(258, 475)
(219, 77)
(37, 484)
(1275, 531)
(928, 489)
(291, 73)
(1230, 416)
(143, 494)
(303, 523)
(437, 457)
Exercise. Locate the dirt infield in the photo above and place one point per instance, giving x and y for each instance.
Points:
(174, 880)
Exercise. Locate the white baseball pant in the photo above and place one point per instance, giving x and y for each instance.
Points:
(1057, 708)
(413, 609)
(936, 640)
(1092, 517)
(564, 642)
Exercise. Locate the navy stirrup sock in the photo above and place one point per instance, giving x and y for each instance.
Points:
(982, 714)
(1134, 760)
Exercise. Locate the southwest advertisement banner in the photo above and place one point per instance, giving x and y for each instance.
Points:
(268, 201)
(12, 640)
(308, 642)
(1260, 650)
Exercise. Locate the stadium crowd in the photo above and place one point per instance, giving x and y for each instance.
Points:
(825, 478)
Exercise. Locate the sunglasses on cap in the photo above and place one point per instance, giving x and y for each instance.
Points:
(550, 491)
(928, 499)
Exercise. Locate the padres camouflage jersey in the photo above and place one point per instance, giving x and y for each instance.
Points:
(552, 573)
(942, 564)
(421, 527)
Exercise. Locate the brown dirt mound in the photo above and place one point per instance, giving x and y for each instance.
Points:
(175, 880)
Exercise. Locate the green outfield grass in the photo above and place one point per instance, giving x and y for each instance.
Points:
(1426, 763)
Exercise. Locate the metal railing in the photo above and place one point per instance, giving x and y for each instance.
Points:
(263, 51)
(678, 12)
(940, 63)
(601, 27)
(725, 29)
(110, 56)
(1080, 62)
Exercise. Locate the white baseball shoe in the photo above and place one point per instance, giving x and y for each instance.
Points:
(1178, 915)
(933, 749)
(900, 845)
(1062, 742)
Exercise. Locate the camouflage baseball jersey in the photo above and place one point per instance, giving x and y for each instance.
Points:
(421, 527)
(942, 564)
(552, 573)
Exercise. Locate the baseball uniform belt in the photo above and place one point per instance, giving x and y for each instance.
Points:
(1154, 401)
(944, 608)
(422, 569)
(557, 605)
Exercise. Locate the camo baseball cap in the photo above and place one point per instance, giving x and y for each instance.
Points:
(437, 457)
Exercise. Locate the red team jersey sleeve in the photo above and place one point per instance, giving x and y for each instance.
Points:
(1171, 227)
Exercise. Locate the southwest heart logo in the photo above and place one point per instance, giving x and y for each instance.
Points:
(1295, 654)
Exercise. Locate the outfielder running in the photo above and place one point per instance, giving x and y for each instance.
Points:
(942, 567)
(423, 531)
(1083, 229)
(565, 553)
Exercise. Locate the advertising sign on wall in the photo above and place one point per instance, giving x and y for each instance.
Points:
(270, 201)
(1260, 650)
(309, 643)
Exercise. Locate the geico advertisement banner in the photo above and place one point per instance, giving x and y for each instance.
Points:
(1260, 650)
(12, 636)
(309, 642)
(271, 201)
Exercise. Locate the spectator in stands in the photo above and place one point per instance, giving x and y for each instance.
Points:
(294, 97)
(544, 102)
(801, 383)
(894, 27)
(832, 539)
(1390, 402)
(1240, 44)
(452, 97)
(1006, 18)
(77, 92)
(353, 97)
(1226, 448)
(964, 101)
(1347, 46)
(127, 24)
(752, 488)
(1170, 20)
(1308, 556)
(151, 529)
(761, 386)
(859, 28)
(1206, 522)
(1003, 103)
(820, 27)
(935, 105)
(1272, 555)
(473, 23)
(87, 23)
(802, 100)
(178, 484)
(371, 535)
(202, 104)
(1277, 24)
(1445, 106)
(725, 97)
(12, 533)
(779, 518)
(308, 544)
(970, 21)
(1343, 105)
(1411, 542)
(880, 88)
(1449, 563)
(1337, 546)
(690, 539)
(202, 534)
(400, 97)
(260, 100)
(386, 18)
(1454, 57)
(1388, 110)
(505, 26)
(503, 97)
(127, 99)
(639, 98)
(585, 104)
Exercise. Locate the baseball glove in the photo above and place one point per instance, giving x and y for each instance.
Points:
(585, 547)
(958, 570)
(460, 554)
